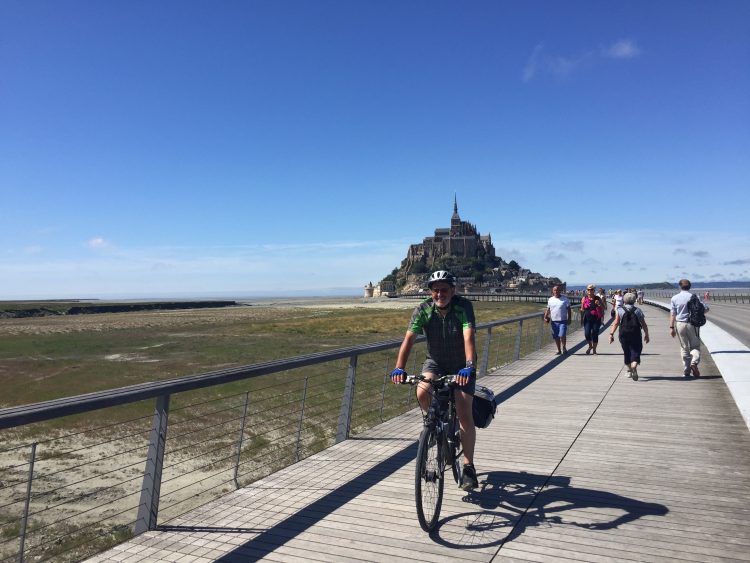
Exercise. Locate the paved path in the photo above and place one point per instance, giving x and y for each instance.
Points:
(732, 317)
(582, 464)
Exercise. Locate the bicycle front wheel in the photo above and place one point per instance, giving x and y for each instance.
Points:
(456, 458)
(428, 482)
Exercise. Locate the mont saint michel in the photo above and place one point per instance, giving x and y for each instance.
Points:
(469, 255)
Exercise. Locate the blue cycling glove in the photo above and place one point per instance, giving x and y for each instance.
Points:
(398, 375)
(464, 376)
(466, 372)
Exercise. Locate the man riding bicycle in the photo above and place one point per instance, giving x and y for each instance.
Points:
(447, 320)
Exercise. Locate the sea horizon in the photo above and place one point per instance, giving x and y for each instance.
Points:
(331, 293)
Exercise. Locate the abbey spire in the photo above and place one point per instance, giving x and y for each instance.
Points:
(455, 219)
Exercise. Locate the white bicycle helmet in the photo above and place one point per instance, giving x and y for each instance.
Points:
(441, 275)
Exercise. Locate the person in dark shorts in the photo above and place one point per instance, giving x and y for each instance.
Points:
(447, 321)
(630, 333)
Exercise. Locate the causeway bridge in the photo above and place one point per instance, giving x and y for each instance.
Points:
(581, 464)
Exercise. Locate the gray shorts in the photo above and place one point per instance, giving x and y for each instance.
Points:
(431, 366)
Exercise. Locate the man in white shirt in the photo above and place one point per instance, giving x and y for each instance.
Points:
(558, 313)
(687, 334)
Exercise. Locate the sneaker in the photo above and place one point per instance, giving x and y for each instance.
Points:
(686, 373)
(565, 350)
(630, 371)
(469, 478)
(695, 370)
(634, 374)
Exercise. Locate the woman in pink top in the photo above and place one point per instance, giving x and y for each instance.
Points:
(592, 312)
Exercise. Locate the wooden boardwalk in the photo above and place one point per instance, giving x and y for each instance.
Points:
(581, 464)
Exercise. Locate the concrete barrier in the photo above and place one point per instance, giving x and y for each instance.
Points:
(732, 358)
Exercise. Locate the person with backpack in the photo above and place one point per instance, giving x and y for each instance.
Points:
(631, 321)
(688, 315)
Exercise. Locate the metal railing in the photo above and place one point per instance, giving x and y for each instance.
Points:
(720, 296)
(68, 490)
(498, 297)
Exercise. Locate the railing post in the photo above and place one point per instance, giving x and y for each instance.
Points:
(25, 518)
(345, 416)
(539, 334)
(386, 377)
(485, 354)
(301, 419)
(519, 334)
(148, 508)
(241, 440)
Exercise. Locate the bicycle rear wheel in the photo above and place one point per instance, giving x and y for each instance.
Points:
(428, 482)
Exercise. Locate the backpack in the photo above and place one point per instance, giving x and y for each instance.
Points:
(629, 323)
(696, 311)
(483, 408)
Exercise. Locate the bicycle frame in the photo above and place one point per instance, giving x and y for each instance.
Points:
(442, 414)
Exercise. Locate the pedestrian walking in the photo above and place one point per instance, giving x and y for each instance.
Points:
(558, 313)
(686, 332)
(591, 310)
(630, 321)
(616, 301)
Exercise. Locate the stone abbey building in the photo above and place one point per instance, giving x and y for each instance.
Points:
(461, 240)
(471, 257)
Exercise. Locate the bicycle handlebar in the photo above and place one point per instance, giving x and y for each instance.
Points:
(443, 380)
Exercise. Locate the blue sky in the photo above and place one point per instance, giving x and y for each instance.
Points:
(175, 148)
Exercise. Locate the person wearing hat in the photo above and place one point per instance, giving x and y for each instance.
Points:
(591, 311)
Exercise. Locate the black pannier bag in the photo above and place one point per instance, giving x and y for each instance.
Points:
(484, 406)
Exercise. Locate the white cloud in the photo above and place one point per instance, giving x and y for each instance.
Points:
(622, 49)
(97, 242)
(540, 62)
(227, 270)
(636, 256)
(555, 256)
(616, 257)
(530, 69)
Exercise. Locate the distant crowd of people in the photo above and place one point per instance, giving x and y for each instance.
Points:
(629, 321)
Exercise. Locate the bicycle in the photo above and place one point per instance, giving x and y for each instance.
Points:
(439, 447)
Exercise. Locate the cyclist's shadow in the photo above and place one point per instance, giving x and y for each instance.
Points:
(508, 502)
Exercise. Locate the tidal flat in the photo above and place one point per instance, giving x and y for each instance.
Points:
(50, 357)
(92, 463)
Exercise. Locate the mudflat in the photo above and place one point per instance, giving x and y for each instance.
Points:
(44, 358)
